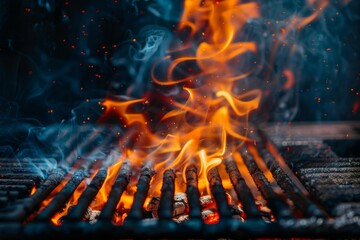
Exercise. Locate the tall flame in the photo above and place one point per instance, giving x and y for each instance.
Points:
(207, 115)
(201, 104)
(199, 93)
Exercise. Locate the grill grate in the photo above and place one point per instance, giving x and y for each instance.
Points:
(325, 204)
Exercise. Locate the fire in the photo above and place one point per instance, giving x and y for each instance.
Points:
(33, 190)
(212, 218)
(56, 219)
(104, 191)
(207, 117)
(247, 177)
(56, 190)
(206, 120)
(201, 105)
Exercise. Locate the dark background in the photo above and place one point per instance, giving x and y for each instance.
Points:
(60, 58)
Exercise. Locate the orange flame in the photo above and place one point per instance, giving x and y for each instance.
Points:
(212, 218)
(56, 219)
(199, 129)
(33, 190)
(103, 194)
(207, 120)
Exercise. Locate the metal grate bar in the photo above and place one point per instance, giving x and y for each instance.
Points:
(308, 208)
(219, 194)
(277, 205)
(167, 195)
(19, 213)
(117, 190)
(88, 195)
(242, 190)
(61, 198)
(143, 185)
(192, 192)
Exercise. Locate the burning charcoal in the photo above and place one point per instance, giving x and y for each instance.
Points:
(180, 205)
(210, 216)
(180, 197)
(153, 204)
(207, 212)
(181, 218)
(265, 212)
(91, 215)
(119, 217)
(179, 208)
(206, 201)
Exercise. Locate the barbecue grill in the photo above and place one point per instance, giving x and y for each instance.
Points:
(320, 191)
(165, 119)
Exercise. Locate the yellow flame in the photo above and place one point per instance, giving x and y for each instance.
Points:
(207, 120)
(199, 129)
